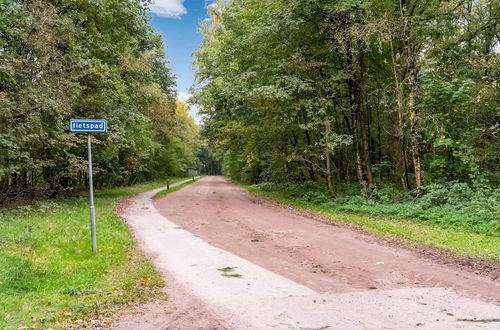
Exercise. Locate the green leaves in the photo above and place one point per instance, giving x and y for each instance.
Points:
(298, 91)
(77, 59)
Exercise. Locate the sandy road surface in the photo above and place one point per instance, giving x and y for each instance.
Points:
(295, 272)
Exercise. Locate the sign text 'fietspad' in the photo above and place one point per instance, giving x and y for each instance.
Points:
(88, 125)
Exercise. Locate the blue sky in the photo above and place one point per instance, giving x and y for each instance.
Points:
(178, 22)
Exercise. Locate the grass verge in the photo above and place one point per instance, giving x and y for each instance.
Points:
(461, 243)
(172, 189)
(48, 276)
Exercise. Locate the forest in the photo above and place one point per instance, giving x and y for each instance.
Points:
(404, 92)
(390, 100)
(353, 91)
(63, 59)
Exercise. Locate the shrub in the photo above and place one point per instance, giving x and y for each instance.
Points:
(390, 193)
(265, 186)
(315, 197)
(453, 193)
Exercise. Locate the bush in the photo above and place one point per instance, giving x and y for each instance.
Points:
(266, 186)
(452, 193)
(390, 194)
(315, 197)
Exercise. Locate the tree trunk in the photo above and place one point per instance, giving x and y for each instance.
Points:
(402, 163)
(412, 108)
(363, 123)
(354, 102)
(329, 176)
(359, 164)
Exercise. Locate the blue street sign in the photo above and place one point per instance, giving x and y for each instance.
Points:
(88, 125)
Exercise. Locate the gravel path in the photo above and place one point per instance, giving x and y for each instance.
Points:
(233, 260)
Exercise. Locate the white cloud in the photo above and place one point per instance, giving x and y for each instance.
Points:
(168, 8)
(184, 97)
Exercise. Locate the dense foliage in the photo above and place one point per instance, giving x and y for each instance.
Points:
(208, 161)
(63, 59)
(376, 92)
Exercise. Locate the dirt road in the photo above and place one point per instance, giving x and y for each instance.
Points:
(252, 264)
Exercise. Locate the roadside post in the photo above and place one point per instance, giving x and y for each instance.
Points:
(90, 126)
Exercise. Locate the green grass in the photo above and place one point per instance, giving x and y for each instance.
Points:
(462, 243)
(172, 189)
(48, 276)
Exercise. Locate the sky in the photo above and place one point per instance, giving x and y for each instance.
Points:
(178, 22)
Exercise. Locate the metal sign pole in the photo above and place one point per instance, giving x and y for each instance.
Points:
(90, 126)
(92, 209)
